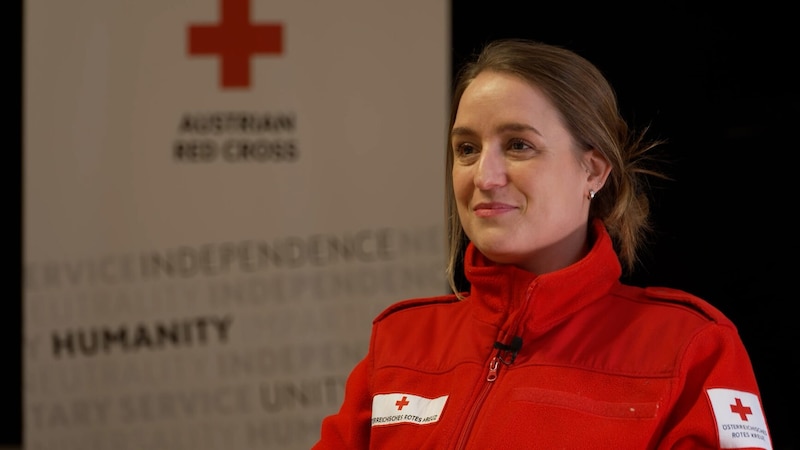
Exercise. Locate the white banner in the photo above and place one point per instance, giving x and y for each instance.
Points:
(219, 196)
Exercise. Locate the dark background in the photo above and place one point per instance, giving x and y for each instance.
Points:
(719, 83)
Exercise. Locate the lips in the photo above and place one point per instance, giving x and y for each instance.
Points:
(489, 209)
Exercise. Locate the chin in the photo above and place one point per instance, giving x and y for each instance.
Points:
(502, 253)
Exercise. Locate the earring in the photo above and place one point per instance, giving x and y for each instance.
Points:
(591, 194)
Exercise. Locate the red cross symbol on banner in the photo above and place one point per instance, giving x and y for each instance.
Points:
(235, 40)
(741, 410)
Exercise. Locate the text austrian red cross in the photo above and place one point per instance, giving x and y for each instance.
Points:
(235, 40)
(741, 410)
(400, 403)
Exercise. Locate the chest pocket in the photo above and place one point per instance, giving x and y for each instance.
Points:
(580, 403)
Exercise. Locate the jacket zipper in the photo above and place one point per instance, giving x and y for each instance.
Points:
(491, 376)
(494, 367)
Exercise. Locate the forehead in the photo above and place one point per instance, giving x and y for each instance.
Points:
(498, 96)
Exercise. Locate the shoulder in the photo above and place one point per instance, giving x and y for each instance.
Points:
(669, 307)
(690, 303)
(415, 304)
(659, 329)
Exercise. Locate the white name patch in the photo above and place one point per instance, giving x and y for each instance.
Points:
(406, 408)
(740, 419)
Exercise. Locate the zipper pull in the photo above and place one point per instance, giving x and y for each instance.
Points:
(493, 365)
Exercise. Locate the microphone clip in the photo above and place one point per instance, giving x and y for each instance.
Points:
(514, 347)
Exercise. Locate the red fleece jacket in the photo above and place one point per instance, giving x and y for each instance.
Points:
(571, 359)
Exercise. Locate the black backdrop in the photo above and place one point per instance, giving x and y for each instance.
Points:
(720, 84)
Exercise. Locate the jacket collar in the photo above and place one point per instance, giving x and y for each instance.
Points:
(512, 298)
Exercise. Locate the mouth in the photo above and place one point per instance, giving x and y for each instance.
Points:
(492, 209)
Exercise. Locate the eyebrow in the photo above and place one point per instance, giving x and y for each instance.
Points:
(513, 126)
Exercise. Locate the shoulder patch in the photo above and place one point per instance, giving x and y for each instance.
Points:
(415, 302)
(686, 299)
(740, 419)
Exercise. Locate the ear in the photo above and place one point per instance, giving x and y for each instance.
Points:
(597, 169)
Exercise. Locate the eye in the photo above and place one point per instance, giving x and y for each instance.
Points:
(521, 149)
(465, 150)
(518, 145)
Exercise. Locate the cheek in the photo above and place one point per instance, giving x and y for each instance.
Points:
(462, 191)
(462, 184)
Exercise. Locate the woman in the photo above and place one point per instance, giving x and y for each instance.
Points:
(548, 349)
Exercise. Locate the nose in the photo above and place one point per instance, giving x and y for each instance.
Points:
(490, 171)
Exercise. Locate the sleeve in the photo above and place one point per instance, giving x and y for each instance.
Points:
(718, 403)
(350, 427)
